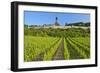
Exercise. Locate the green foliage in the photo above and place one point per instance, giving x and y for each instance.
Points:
(66, 52)
(82, 53)
(87, 24)
(83, 47)
(34, 46)
(70, 32)
(50, 53)
(43, 43)
(83, 41)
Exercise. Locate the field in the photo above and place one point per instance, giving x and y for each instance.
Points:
(46, 44)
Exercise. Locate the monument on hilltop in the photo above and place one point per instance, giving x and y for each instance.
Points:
(56, 22)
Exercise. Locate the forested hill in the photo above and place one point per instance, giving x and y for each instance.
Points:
(78, 24)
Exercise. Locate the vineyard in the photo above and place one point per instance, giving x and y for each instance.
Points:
(60, 47)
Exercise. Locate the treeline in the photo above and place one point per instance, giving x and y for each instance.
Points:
(32, 26)
(78, 24)
(70, 32)
(26, 26)
(66, 24)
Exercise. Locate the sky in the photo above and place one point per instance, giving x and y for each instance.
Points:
(40, 18)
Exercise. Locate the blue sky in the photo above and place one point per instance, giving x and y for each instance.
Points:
(40, 18)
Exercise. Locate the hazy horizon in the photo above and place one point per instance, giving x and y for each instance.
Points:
(41, 18)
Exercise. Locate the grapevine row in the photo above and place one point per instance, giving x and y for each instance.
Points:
(66, 52)
(82, 47)
(49, 55)
(34, 46)
(74, 46)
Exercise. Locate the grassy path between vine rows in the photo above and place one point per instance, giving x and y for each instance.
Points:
(59, 55)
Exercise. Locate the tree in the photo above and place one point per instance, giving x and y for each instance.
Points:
(66, 24)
